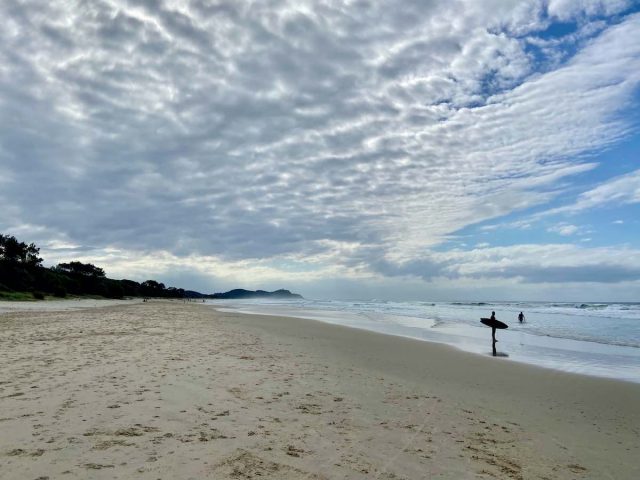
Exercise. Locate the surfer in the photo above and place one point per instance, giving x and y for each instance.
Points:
(494, 324)
(493, 332)
(521, 317)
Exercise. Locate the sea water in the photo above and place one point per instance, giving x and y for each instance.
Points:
(601, 339)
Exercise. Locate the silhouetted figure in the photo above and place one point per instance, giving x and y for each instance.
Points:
(493, 329)
(521, 317)
(493, 334)
(494, 324)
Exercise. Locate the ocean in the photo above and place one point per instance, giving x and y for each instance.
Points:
(601, 339)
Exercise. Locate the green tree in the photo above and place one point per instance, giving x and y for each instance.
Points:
(19, 263)
(79, 269)
(151, 288)
(131, 288)
(15, 252)
(85, 277)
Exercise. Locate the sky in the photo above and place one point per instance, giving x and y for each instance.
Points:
(398, 150)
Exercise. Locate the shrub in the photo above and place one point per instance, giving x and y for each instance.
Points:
(38, 295)
(59, 291)
(113, 289)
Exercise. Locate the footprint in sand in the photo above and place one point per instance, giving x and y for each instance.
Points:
(575, 468)
(96, 466)
(245, 464)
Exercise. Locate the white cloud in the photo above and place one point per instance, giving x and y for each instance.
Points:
(548, 263)
(564, 229)
(621, 190)
(568, 9)
(501, 267)
(624, 189)
(336, 134)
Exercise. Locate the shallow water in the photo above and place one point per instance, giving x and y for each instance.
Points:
(594, 339)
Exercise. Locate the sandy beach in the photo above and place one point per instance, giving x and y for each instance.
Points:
(178, 390)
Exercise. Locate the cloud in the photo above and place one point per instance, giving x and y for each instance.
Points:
(548, 263)
(498, 269)
(567, 10)
(621, 190)
(344, 136)
(582, 273)
(564, 229)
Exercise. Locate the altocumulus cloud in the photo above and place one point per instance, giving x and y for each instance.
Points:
(300, 139)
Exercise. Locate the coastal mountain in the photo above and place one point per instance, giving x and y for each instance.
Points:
(240, 293)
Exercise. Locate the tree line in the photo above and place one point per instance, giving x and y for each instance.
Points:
(21, 270)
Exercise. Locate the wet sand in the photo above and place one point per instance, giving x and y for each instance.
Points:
(173, 390)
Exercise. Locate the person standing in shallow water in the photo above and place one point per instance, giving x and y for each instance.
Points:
(493, 332)
(521, 317)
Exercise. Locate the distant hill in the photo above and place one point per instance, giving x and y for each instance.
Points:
(240, 293)
(193, 294)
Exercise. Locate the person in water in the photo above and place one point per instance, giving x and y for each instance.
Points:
(493, 332)
(521, 317)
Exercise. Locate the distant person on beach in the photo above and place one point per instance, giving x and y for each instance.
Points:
(521, 317)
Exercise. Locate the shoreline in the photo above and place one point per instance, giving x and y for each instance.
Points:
(284, 322)
(580, 357)
(170, 390)
(555, 409)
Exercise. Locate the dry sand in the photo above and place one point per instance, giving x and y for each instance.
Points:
(178, 391)
(61, 305)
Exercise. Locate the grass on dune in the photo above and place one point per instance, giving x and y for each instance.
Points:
(17, 296)
(29, 297)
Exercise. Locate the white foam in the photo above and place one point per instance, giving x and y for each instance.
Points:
(579, 343)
